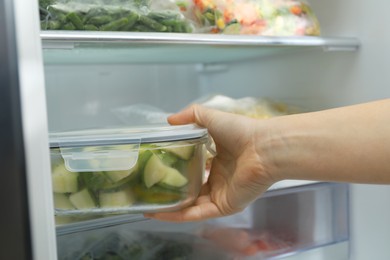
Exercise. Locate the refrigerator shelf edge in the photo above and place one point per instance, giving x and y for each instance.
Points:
(73, 47)
(206, 39)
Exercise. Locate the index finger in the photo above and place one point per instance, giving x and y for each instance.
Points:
(194, 114)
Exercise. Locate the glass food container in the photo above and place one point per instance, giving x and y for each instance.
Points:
(119, 171)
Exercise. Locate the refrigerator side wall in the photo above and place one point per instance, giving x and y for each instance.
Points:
(15, 226)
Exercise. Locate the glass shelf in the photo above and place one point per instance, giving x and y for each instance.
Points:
(75, 47)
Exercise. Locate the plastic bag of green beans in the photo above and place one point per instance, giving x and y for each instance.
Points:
(113, 15)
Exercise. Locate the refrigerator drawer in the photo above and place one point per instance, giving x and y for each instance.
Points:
(284, 223)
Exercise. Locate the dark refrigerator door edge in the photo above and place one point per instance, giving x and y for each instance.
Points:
(15, 235)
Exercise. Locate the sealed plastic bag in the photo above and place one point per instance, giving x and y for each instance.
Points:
(115, 15)
(137, 245)
(261, 108)
(141, 115)
(257, 17)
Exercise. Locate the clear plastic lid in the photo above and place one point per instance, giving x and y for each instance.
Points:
(118, 136)
(116, 148)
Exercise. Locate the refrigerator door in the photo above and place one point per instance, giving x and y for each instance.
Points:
(27, 223)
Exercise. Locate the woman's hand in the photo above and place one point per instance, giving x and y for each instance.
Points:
(346, 144)
(237, 175)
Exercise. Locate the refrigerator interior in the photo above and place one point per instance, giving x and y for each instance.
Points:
(89, 95)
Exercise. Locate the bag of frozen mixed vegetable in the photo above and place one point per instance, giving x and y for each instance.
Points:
(113, 15)
(256, 17)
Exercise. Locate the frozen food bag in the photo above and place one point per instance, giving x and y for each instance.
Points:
(238, 234)
(113, 15)
(138, 245)
(254, 17)
(141, 114)
(261, 108)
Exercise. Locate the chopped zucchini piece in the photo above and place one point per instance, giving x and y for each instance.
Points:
(63, 180)
(157, 194)
(120, 198)
(173, 178)
(143, 158)
(115, 176)
(109, 186)
(61, 201)
(61, 220)
(93, 180)
(184, 152)
(168, 158)
(155, 171)
(83, 199)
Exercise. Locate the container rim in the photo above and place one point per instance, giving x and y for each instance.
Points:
(126, 135)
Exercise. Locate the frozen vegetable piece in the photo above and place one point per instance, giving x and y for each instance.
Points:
(132, 18)
(153, 24)
(45, 3)
(75, 19)
(61, 220)
(57, 14)
(133, 251)
(115, 199)
(90, 27)
(87, 256)
(156, 194)
(83, 199)
(141, 28)
(95, 11)
(61, 201)
(182, 165)
(51, 25)
(68, 27)
(130, 180)
(93, 180)
(184, 152)
(100, 20)
(115, 176)
(115, 25)
(176, 25)
(233, 28)
(167, 158)
(141, 3)
(64, 181)
(164, 15)
(136, 177)
(110, 256)
(156, 170)
(174, 179)
(174, 250)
